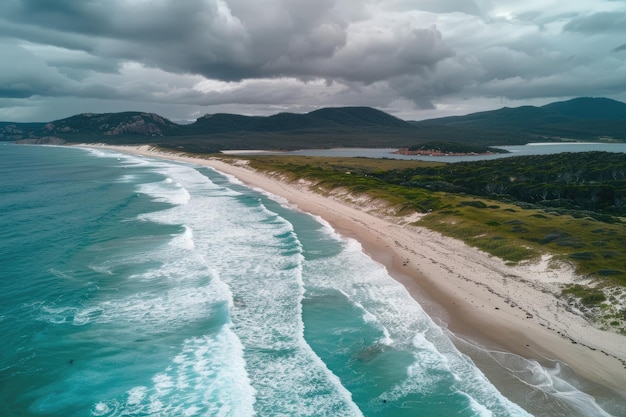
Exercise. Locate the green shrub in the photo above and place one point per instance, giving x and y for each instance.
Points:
(473, 203)
(593, 299)
(583, 256)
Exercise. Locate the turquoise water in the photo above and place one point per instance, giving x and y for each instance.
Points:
(134, 287)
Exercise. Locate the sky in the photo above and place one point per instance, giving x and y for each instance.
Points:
(415, 59)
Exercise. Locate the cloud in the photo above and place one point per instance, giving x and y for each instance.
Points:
(272, 39)
(280, 54)
(602, 22)
(23, 74)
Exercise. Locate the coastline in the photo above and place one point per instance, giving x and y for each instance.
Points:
(475, 296)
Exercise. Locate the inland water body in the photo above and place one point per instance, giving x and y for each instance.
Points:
(513, 150)
(141, 287)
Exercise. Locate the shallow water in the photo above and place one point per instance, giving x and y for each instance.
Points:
(514, 150)
(134, 286)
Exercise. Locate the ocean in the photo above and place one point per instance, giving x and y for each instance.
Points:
(133, 286)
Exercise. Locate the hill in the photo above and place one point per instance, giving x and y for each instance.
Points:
(323, 128)
(338, 119)
(583, 118)
(588, 119)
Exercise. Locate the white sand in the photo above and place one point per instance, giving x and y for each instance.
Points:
(475, 295)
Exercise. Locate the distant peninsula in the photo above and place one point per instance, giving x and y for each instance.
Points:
(449, 149)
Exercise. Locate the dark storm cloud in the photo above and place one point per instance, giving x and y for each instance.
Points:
(296, 38)
(304, 53)
(178, 35)
(26, 74)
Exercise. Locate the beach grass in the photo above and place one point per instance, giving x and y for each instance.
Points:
(516, 234)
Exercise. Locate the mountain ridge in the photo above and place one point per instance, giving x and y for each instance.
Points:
(579, 118)
(582, 118)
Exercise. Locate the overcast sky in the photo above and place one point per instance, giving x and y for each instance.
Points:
(415, 59)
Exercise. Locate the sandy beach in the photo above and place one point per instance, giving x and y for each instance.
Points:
(474, 295)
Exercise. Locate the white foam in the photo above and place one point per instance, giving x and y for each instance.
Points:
(184, 289)
(231, 247)
(60, 274)
(86, 315)
(102, 269)
(100, 409)
(436, 361)
(56, 315)
(165, 192)
(231, 178)
(125, 159)
(127, 178)
(184, 240)
(207, 377)
(257, 254)
(153, 310)
(136, 395)
(226, 237)
(429, 356)
(552, 383)
(480, 409)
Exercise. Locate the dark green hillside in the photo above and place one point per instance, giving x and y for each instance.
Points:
(86, 127)
(588, 109)
(584, 184)
(502, 118)
(18, 131)
(117, 124)
(323, 119)
(577, 119)
(324, 128)
(454, 147)
(223, 123)
(580, 119)
(358, 117)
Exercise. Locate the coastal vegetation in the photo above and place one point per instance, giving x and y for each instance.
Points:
(558, 205)
(451, 148)
(583, 184)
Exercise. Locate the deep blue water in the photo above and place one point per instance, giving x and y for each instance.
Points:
(134, 286)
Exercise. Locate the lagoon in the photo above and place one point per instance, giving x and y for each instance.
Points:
(518, 150)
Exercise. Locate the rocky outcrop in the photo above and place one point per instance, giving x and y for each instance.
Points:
(46, 140)
(137, 126)
(89, 126)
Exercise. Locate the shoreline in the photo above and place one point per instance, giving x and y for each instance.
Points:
(475, 296)
(434, 152)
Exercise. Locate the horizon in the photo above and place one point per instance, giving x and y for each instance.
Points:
(184, 122)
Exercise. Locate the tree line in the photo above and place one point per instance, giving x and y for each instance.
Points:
(580, 181)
